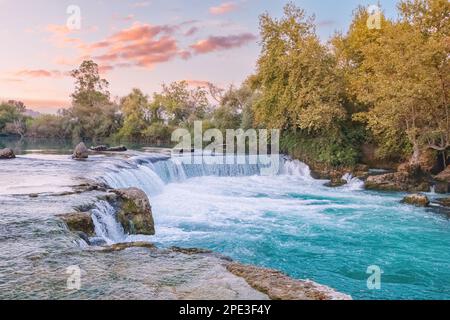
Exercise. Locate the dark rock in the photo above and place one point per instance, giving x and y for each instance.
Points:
(79, 222)
(33, 195)
(99, 148)
(104, 148)
(278, 286)
(135, 212)
(7, 154)
(445, 202)
(418, 200)
(336, 182)
(80, 152)
(117, 149)
(408, 178)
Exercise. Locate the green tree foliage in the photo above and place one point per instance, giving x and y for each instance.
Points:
(135, 110)
(401, 78)
(92, 115)
(296, 73)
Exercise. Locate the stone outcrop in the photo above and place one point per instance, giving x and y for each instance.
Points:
(442, 181)
(104, 148)
(134, 211)
(7, 154)
(408, 178)
(278, 286)
(79, 222)
(80, 152)
(419, 200)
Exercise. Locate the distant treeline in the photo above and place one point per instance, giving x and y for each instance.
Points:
(385, 87)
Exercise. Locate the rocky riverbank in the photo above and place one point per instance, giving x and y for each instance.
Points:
(135, 215)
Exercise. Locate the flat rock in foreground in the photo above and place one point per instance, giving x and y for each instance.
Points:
(278, 286)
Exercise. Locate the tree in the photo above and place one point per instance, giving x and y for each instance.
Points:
(402, 78)
(135, 110)
(182, 105)
(92, 114)
(296, 74)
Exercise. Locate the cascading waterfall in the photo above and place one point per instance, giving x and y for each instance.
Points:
(353, 183)
(152, 173)
(107, 228)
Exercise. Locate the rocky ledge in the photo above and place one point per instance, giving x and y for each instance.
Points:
(135, 215)
(7, 154)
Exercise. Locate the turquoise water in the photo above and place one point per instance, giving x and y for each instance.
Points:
(289, 222)
(309, 231)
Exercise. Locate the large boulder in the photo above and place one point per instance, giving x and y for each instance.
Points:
(7, 154)
(408, 178)
(418, 200)
(80, 152)
(443, 181)
(79, 222)
(135, 212)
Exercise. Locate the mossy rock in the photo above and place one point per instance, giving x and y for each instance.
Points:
(135, 212)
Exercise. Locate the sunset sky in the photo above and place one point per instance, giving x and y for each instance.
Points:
(140, 43)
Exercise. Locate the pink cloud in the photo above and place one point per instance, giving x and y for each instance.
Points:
(40, 73)
(223, 8)
(216, 43)
(141, 45)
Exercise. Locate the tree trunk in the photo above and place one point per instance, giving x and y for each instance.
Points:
(415, 159)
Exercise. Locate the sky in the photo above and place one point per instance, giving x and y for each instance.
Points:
(141, 43)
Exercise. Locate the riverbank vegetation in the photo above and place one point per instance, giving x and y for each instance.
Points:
(384, 89)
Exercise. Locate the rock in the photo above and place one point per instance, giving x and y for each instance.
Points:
(336, 182)
(99, 148)
(117, 149)
(190, 251)
(123, 246)
(7, 154)
(135, 212)
(80, 152)
(410, 179)
(104, 148)
(445, 202)
(418, 200)
(33, 195)
(278, 286)
(79, 222)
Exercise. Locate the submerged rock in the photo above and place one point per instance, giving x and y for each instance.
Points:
(7, 154)
(445, 202)
(80, 152)
(135, 212)
(79, 222)
(278, 286)
(419, 200)
(336, 182)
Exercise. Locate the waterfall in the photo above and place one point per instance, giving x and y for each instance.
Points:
(107, 228)
(352, 182)
(151, 174)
